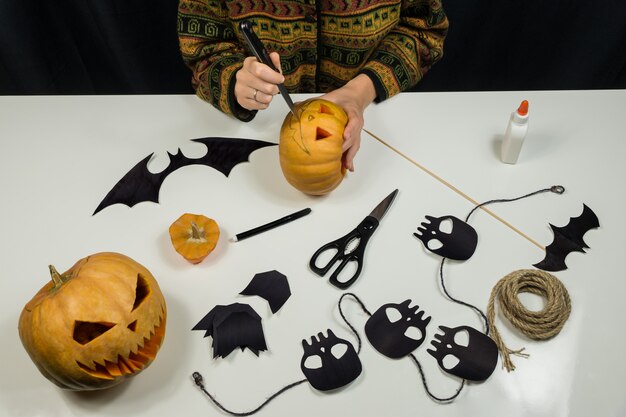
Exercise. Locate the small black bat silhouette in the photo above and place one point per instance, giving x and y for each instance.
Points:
(139, 184)
(568, 238)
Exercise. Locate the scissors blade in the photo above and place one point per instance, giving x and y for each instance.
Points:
(285, 94)
(383, 206)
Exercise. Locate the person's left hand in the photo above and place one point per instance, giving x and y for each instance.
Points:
(353, 97)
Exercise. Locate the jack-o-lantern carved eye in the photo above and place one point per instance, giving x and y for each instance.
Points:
(142, 290)
(321, 133)
(86, 331)
(326, 110)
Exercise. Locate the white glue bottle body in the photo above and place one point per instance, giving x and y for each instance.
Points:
(515, 134)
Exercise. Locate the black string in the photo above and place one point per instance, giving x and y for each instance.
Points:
(197, 378)
(417, 362)
(557, 189)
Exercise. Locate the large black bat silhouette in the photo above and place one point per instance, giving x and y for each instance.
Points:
(568, 238)
(139, 184)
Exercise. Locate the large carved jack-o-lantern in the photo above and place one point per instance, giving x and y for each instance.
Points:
(310, 146)
(95, 325)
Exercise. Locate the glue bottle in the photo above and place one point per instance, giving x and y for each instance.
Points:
(515, 134)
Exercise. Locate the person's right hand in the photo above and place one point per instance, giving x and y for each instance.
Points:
(256, 83)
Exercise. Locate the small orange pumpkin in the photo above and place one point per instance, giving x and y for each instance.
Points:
(96, 325)
(310, 146)
(194, 236)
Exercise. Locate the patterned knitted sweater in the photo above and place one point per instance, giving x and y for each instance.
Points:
(322, 44)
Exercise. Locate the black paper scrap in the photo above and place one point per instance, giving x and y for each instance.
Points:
(139, 184)
(567, 239)
(272, 286)
(476, 361)
(338, 363)
(459, 243)
(233, 326)
(399, 335)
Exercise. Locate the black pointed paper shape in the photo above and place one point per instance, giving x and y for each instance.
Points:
(337, 362)
(458, 244)
(476, 361)
(139, 184)
(272, 286)
(233, 326)
(567, 239)
(397, 336)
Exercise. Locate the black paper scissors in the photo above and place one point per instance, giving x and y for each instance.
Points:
(351, 247)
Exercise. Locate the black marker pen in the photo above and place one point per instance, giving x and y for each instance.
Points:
(271, 225)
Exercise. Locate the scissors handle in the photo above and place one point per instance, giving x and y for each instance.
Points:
(363, 232)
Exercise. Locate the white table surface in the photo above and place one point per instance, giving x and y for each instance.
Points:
(61, 155)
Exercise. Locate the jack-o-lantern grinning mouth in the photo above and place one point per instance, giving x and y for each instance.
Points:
(135, 362)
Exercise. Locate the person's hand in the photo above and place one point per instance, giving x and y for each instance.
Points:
(256, 83)
(353, 97)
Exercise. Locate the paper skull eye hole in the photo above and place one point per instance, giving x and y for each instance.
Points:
(461, 338)
(339, 350)
(395, 330)
(313, 362)
(448, 237)
(446, 226)
(450, 362)
(393, 315)
(85, 331)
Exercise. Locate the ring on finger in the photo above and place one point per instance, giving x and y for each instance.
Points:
(254, 94)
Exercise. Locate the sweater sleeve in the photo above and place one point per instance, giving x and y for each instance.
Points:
(210, 48)
(405, 55)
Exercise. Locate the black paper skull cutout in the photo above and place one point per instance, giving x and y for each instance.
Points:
(476, 361)
(458, 243)
(397, 335)
(329, 362)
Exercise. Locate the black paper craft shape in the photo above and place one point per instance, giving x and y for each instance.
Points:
(272, 286)
(338, 363)
(476, 361)
(139, 184)
(397, 335)
(233, 326)
(568, 238)
(459, 243)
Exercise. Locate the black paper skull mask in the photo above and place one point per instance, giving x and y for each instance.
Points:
(475, 361)
(396, 330)
(329, 362)
(448, 236)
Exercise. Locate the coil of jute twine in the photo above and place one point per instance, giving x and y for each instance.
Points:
(538, 325)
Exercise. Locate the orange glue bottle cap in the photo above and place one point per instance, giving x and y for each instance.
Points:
(523, 108)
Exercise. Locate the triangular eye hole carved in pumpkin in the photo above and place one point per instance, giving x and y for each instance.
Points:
(326, 110)
(133, 326)
(142, 290)
(86, 331)
(322, 134)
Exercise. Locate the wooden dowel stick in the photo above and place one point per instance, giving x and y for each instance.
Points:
(459, 192)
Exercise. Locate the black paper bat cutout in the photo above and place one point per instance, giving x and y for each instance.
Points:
(139, 184)
(568, 238)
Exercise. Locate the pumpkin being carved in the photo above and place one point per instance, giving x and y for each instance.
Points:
(310, 146)
(96, 325)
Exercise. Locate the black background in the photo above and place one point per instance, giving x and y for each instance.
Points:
(131, 47)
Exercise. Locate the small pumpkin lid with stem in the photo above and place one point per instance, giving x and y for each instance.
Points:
(194, 236)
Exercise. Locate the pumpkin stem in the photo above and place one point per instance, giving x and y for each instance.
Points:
(57, 278)
(196, 232)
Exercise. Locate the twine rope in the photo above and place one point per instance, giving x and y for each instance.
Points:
(537, 325)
